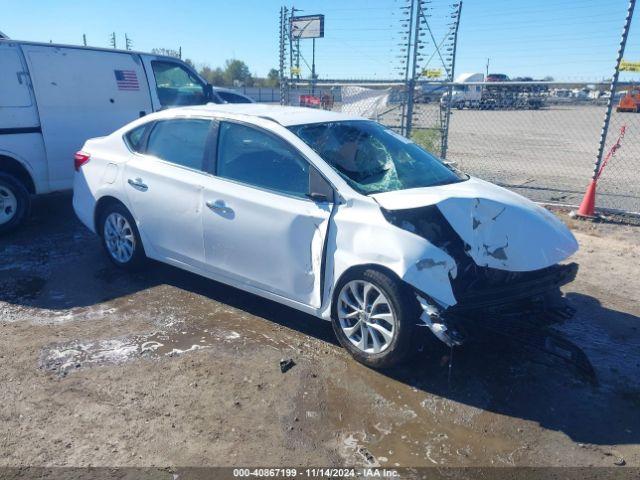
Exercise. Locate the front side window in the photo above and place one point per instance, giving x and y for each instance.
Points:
(180, 141)
(176, 85)
(254, 157)
(374, 159)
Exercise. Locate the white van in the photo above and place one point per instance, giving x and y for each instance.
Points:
(54, 97)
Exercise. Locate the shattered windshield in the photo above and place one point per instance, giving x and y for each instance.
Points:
(375, 159)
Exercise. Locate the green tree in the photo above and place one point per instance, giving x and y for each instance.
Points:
(212, 76)
(236, 73)
(273, 78)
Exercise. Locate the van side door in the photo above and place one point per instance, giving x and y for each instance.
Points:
(17, 105)
(82, 93)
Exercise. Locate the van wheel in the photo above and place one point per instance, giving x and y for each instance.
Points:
(120, 238)
(375, 318)
(15, 202)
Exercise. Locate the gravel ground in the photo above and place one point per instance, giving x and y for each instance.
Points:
(167, 369)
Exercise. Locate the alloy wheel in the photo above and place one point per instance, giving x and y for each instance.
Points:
(119, 237)
(366, 316)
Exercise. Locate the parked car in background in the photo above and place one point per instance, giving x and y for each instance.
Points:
(54, 97)
(226, 95)
(497, 77)
(331, 214)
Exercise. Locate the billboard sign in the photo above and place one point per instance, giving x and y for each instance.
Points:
(307, 26)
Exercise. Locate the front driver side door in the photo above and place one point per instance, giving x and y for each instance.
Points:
(260, 226)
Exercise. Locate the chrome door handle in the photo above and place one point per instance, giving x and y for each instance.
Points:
(138, 183)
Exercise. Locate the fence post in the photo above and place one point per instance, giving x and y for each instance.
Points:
(411, 85)
(612, 89)
(444, 143)
(284, 82)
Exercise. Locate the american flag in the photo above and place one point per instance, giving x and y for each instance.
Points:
(126, 80)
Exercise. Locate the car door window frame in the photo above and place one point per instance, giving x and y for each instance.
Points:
(312, 169)
(209, 148)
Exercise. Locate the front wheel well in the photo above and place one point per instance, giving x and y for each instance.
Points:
(101, 205)
(13, 167)
(360, 269)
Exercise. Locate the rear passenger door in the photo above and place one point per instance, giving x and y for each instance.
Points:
(164, 181)
(260, 226)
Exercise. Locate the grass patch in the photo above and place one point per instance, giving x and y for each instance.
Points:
(427, 138)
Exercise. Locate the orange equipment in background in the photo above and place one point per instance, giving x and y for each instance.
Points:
(630, 102)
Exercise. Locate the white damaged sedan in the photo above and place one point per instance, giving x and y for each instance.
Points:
(333, 215)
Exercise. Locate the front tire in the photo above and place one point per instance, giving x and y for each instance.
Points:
(120, 238)
(374, 317)
(15, 203)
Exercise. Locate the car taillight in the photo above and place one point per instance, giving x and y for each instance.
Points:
(79, 159)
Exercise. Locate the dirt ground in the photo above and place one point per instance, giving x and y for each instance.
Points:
(167, 369)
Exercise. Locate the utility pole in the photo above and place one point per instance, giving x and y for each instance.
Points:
(313, 67)
(127, 42)
(487, 69)
(612, 88)
(112, 40)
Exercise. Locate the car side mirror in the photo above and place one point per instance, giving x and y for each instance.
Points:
(320, 191)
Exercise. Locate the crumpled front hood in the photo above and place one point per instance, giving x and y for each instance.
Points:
(503, 230)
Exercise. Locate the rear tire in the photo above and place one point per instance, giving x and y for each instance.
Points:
(15, 203)
(359, 312)
(120, 238)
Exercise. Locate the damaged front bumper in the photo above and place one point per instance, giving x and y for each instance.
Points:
(529, 301)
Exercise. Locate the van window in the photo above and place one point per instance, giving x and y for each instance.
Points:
(181, 141)
(176, 85)
(134, 138)
(256, 158)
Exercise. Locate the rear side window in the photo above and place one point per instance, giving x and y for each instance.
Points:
(134, 138)
(180, 141)
(176, 85)
(254, 157)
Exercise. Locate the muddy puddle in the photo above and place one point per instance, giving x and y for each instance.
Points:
(215, 328)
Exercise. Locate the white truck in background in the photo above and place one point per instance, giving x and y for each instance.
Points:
(54, 97)
(464, 95)
(495, 92)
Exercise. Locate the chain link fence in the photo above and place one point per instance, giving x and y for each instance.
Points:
(539, 139)
(619, 182)
(384, 102)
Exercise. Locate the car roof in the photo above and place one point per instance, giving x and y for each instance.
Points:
(285, 116)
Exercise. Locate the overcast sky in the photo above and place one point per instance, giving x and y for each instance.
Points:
(567, 39)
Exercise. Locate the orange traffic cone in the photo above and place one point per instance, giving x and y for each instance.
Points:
(587, 207)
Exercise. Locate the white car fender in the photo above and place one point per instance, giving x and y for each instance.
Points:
(356, 240)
